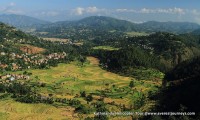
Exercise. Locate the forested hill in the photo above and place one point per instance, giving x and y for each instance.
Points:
(172, 27)
(94, 22)
(100, 23)
(186, 70)
(90, 26)
(12, 35)
(171, 49)
(107, 23)
(21, 21)
(24, 49)
(181, 92)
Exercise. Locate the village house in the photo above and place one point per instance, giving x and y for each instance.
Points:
(34, 60)
(13, 77)
(3, 53)
(3, 66)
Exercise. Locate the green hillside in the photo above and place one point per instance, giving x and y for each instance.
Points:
(181, 86)
(21, 21)
(96, 26)
(59, 76)
(101, 64)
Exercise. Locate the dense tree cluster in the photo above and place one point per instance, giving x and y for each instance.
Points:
(183, 91)
(186, 69)
(24, 93)
(169, 49)
(126, 59)
(101, 111)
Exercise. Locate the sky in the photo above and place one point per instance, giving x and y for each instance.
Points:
(132, 10)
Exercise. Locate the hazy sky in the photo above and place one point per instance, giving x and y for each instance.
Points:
(132, 10)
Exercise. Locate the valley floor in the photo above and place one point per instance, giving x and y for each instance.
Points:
(68, 80)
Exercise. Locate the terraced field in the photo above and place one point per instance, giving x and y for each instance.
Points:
(108, 48)
(89, 77)
(11, 110)
(68, 80)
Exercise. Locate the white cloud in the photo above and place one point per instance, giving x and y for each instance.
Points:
(195, 12)
(126, 10)
(121, 10)
(157, 10)
(88, 10)
(79, 11)
(145, 10)
(178, 11)
(11, 11)
(92, 10)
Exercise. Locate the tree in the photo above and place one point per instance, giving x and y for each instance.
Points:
(83, 94)
(100, 106)
(89, 98)
(2, 88)
(139, 102)
(82, 109)
(131, 85)
(25, 73)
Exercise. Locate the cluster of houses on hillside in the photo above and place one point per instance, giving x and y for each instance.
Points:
(56, 56)
(13, 77)
(29, 60)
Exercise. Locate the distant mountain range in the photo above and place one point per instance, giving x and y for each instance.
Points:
(21, 21)
(96, 22)
(100, 22)
(108, 23)
(173, 27)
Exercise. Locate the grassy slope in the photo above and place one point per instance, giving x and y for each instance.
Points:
(86, 78)
(109, 48)
(67, 80)
(12, 110)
